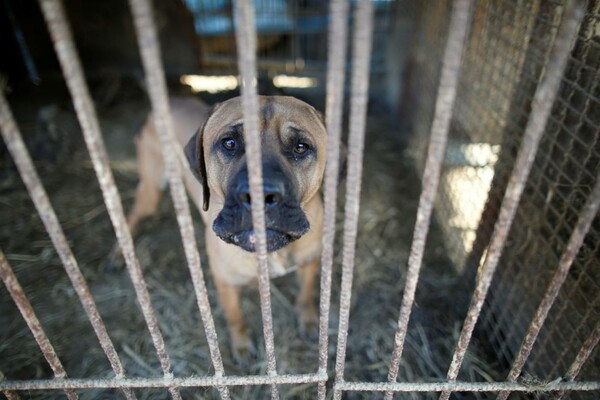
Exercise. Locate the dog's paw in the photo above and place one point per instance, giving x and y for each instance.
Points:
(244, 352)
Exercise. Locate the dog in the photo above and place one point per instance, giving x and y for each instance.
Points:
(294, 147)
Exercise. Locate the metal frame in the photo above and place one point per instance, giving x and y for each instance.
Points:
(246, 39)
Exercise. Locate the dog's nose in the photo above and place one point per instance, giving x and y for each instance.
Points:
(273, 195)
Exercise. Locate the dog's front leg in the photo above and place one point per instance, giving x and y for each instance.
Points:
(305, 304)
(241, 345)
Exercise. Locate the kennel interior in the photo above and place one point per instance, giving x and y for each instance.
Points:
(508, 51)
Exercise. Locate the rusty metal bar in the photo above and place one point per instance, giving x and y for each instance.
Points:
(336, 70)
(14, 141)
(457, 386)
(20, 299)
(458, 29)
(543, 100)
(361, 54)
(194, 381)
(9, 394)
(245, 34)
(67, 55)
(584, 354)
(57, 384)
(157, 90)
(584, 222)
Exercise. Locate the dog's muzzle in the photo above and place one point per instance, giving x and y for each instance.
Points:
(284, 218)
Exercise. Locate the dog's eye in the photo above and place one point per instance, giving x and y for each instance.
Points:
(301, 148)
(229, 144)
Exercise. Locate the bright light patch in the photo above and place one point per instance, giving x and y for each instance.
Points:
(467, 182)
(480, 154)
(298, 82)
(210, 84)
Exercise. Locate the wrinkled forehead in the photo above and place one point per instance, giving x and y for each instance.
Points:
(276, 114)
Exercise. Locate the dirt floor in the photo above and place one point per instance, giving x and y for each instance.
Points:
(388, 206)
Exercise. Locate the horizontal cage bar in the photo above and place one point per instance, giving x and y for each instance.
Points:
(161, 382)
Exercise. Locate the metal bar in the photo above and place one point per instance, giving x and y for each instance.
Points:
(210, 381)
(543, 100)
(459, 26)
(9, 394)
(457, 386)
(14, 141)
(57, 384)
(20, 299)
(336, 70)
(584, 222)
(245, 33)
(157, 90)
(589, 313)
(361, 53)
(584, 354)
(67, 55)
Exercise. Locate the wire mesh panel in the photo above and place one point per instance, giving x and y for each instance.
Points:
(564, 173)
(506, 55)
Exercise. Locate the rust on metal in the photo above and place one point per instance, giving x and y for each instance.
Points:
(245, 35)
(67, 55)
(542, 104)
(361, 54)
(14, 142)
(57, 384)
(457, 386)
(459, 26)
(157, 89)
(20, 298)
(193, 381)
(584, 222)
(336, 70)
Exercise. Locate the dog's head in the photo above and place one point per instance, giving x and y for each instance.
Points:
(293, 139)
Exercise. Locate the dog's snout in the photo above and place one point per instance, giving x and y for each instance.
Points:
(273, 192)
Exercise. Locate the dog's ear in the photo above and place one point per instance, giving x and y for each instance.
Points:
(194, 151)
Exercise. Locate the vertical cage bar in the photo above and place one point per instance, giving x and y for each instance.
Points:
(459, 26)
(157, 90)
(361, 54)
(582, 356)
(67, 55)
(20, 298)
(336, 70)
(245, 35)
(14, 142)
(543, 100)
(584, 222)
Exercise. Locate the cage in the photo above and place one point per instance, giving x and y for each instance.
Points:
(461, 260)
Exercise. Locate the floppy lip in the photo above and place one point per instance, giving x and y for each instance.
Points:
(247, 240)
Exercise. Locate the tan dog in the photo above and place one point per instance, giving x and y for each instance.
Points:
(293, 156)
